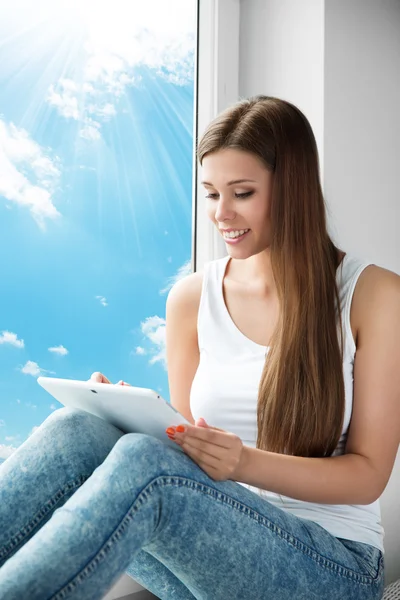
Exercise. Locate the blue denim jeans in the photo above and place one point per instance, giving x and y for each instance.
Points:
(81, 503)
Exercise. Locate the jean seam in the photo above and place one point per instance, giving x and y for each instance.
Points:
(177, 481)
(323, 561)
(39, 516)
(374, 571)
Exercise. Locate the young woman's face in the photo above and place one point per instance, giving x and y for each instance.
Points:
(235, 204)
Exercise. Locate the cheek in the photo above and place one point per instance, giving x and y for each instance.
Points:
(262, 214)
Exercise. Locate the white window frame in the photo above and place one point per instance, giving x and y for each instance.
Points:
(216, 87)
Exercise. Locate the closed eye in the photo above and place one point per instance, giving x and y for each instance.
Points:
(241, 196)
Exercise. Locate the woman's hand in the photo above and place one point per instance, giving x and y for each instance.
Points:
(100, 378)
(216, 451)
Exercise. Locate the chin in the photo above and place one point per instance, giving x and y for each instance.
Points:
(239, 254)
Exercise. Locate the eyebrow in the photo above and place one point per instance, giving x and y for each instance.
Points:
(230, 182)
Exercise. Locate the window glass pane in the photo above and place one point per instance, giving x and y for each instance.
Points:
(96, 145)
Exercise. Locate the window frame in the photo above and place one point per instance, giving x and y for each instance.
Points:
(216, 86)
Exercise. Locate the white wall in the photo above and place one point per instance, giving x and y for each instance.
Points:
(339, 62)
(282, 54)
(362, 125)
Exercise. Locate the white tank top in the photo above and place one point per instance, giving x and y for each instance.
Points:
(225, 391)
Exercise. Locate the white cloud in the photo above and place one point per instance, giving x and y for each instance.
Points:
(68, 85)
(6, 451)
(2, 423)
(154, 329)
(90, 131)
(183, 271)
(106, 111)
(102, 300)
(86, 168)
(123, 36)
(45, 170)
(59, 350)
(7, 337)
(18, 401)
(31, 368)
(53, 406)
(87, 88)
(64, 99)
(27, 176)
(153, 38)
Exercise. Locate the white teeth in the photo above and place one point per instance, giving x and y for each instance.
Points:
(235, 234)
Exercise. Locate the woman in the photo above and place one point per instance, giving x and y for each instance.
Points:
(276, 493)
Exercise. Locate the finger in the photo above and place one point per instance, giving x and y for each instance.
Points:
(123, 383)
(219, 438)
(99, 378)
(201, 457)
(203, 449)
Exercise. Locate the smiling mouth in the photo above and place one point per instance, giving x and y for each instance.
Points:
(237, 239)
(235, 234)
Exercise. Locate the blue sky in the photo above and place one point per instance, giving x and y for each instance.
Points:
(96, 141)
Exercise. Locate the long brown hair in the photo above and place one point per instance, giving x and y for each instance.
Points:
(301, 400)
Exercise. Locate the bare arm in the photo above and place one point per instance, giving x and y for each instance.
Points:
(181, 340)
(361, 475)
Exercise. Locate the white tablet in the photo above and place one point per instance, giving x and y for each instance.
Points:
(131, 409)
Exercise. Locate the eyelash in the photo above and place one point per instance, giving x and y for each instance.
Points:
(241, 196)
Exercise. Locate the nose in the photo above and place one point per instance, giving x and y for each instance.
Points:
(224, 210)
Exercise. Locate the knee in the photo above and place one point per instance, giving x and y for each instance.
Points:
(69, 417)
(76, 424)
(141, 450)
(80, 434)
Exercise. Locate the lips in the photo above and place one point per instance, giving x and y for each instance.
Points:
(236, 231)
(236, 239)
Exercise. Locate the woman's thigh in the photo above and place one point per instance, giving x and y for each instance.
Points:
(222, 540)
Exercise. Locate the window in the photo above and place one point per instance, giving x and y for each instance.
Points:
(96, 176)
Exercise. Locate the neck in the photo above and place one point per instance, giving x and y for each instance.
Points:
(254, 272)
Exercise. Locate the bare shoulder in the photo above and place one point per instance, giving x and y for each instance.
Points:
(376, 281)
(185, 293)
(377, 290)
